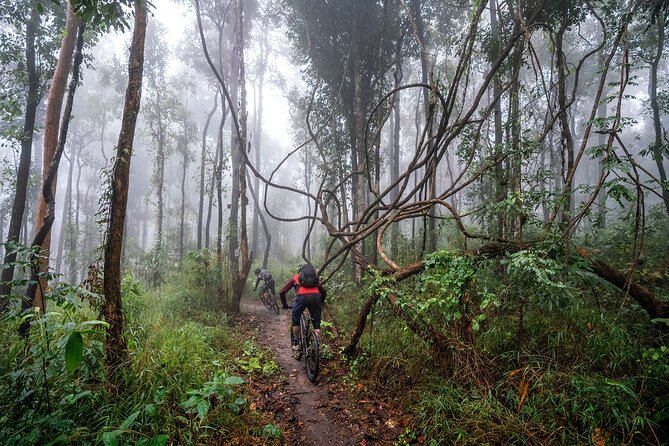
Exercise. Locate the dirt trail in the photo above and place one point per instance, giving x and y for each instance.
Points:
(309, 409)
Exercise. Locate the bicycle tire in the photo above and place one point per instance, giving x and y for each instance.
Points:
(265, 301)
(273, 305)
(312, 358)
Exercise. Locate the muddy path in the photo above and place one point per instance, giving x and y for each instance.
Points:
(322, 413)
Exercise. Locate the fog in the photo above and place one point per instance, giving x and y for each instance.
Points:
(350, 150)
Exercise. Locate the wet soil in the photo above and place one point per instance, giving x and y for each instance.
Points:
(328, 412)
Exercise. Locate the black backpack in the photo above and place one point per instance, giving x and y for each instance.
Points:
(308, 276)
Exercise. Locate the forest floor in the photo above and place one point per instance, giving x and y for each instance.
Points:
(333, 411)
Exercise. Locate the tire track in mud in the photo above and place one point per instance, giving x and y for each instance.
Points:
(304, 406)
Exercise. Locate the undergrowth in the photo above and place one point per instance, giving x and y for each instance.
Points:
(185, 383)
(545, 353)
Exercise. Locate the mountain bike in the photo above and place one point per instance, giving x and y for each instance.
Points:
(269, 300)
(309, 346)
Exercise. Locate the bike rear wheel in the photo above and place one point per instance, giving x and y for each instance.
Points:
(311, 361)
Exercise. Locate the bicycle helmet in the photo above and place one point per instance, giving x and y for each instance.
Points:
(298, 268)
(257, 271)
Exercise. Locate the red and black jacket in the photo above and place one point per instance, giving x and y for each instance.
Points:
(294, 282)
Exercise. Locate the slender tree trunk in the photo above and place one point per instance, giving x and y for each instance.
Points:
(183, 199)
(160, 184)
(430, 235)
(203, 157)
(51, 130)
(567, 137)
(359, 149)
(219, 195)
(115, 345)
(67, 211)
(74, 237)
(517, 157)
(257, 138)
(235, 156)
(263, 221)
(500, 181)
(658, 145)
(23, 172)
(396, 124)
(37, 286)
(601, 141)
(240, 271)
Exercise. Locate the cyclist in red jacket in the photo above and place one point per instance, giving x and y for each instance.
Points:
(309, 293)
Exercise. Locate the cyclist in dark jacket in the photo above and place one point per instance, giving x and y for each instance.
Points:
(266, 276)
(305, 297)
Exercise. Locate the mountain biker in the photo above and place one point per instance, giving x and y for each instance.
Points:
(266, 276)
(309, 293)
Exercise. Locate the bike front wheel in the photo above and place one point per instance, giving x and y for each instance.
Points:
(265, 300)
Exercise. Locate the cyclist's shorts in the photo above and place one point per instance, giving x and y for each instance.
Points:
(310, 301)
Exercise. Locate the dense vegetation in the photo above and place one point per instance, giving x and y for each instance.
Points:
(185, 384)
(481, 185)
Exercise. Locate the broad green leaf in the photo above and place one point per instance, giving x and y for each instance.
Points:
(203, 409)
(74, 351)
(231, 380)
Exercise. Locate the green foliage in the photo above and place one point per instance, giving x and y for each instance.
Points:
(178, 388)
(48, 386)
(256, 360)
(560, 356)
(271, 430)
(218, 390)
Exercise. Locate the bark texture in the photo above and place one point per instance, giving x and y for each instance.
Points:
(115, 345)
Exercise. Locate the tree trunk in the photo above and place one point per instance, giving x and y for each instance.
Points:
(183, 198)
(268, 235)
(65, 216)
(115, 345)
(601, 141)
(73, 241)
(51, 130)
(500, 181)
(358, 159)
(658, 146)
(565, 126)
(430, 234)
(160, 184)
(37, 287)
(396, 124)
(219, 195)
(240, 271)
(235, 157)
(23, 172)
(200, 214)
(257, 137)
